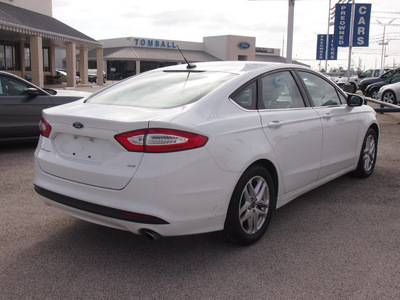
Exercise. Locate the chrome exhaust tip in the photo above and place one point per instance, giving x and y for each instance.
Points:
(149, 234)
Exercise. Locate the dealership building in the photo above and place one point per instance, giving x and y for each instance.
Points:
(30, 38)
(133, 55)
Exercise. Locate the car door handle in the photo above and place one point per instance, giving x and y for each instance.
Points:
(275, 124)
(327, 116)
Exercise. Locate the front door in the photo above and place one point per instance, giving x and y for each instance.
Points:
(339, 122)
(293, 130)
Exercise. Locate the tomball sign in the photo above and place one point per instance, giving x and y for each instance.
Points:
(362, 17)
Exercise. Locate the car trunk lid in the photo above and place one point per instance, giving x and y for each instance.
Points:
(82, 147)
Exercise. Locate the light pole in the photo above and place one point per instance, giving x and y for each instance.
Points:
(290, 32)
(383, 42)
(327, 39)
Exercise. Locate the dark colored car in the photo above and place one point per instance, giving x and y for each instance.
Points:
(373, 89)
(92, 74)
(21, 105)
(385, 76)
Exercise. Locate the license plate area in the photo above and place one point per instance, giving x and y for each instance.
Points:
(85, 148)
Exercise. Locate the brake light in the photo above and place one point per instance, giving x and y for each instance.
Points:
(44, 128)
(159, 140)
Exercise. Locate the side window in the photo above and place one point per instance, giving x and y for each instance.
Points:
(395, 79)
(246, 96)
(279, 90)
(343, 100)
(322, 92)
(12, 87)
(368, 73)
(376, 74)
(388, 74)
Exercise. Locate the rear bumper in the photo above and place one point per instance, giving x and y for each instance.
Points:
(170, 199)
(98, 209)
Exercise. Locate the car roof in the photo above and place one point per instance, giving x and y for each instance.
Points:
(231, 66)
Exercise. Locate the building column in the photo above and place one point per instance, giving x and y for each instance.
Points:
(53, 60)
(37, 60)
(83, 64)
(71, 64)
(138, 67)
(22, 58)
(100, 66)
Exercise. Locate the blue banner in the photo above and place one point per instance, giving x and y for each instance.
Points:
(321, 48)
(362, 19)
(332, 50)
(342, 25)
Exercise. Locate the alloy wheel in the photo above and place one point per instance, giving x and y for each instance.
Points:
(389, 97)
(254, 205)
(369, 153)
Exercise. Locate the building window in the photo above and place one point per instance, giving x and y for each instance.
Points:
(46, 59)
(148, 65)
(9, 56)
(27, 55)
(2, 58)
(242, 57)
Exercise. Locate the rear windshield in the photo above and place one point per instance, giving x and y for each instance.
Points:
(162, 89)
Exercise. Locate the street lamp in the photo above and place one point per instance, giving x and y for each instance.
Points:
(290, 32)
(383, 42)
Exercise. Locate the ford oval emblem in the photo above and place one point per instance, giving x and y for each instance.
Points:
(244, 45)
(78, 125)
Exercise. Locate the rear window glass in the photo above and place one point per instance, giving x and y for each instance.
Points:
(162, 89)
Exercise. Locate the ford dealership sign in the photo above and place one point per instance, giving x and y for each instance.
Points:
(244, 45)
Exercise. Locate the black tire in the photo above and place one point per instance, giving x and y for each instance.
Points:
(252, 204)
(369, 151)
(374, 94)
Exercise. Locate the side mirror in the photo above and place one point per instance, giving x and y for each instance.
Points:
(32, 91)
(354, 100)
(51, 92)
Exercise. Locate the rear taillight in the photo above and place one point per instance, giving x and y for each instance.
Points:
(160, 140)
(44, 128)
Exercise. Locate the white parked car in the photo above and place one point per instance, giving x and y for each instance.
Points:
(193, 149)
(390, 93)
(63, 76)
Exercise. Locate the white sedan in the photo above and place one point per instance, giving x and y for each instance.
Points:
(201, 148)
(390, 93)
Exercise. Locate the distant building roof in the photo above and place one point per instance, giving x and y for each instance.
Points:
(153, 54)
(27, 22)
(172, 55)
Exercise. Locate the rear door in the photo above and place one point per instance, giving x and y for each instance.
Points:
(293, 129)
(20, 113)
(339, 121)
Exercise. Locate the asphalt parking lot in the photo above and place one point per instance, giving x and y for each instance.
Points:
(340, 241)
